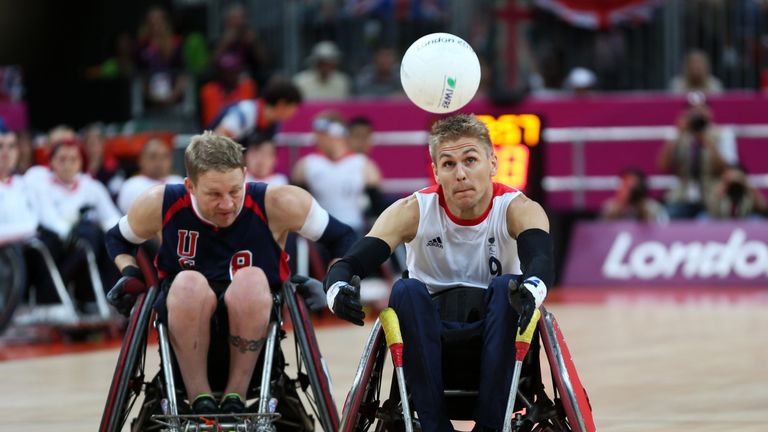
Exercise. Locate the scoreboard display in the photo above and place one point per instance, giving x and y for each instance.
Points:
(517, 139)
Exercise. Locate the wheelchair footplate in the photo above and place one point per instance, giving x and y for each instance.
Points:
(245, 422)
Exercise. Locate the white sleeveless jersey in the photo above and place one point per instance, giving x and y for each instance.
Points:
(338, 186)
(449, 252)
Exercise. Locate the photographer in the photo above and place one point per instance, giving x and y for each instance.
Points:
(696, 156)
(734, 197)
(632, 202)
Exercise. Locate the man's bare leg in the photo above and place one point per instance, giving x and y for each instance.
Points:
(249, 306)
(191, 304)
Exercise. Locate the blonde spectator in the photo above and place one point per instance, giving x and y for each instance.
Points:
(696, 75)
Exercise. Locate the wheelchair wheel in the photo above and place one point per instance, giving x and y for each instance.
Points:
(128, 380)
(12, 281)
(570, 394)
(316, 369)
(364, 410)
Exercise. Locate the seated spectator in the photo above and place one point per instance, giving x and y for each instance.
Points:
(323, 80)
(18, 220)
(381, 77)
(696, 75)
(42, 152)
(632, 202)
(154, 169)
(228, 87)
(26, 145)
(259, 118)
(734, 197)
(72, 206)
(260, 159)
(160, 61)
(242, 42)
(103, 168)
(695, 157)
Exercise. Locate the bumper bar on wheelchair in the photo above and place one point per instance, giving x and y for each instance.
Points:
(192, 423)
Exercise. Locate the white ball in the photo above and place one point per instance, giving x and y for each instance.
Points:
(440, 73)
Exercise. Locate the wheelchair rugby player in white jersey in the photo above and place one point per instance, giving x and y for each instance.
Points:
(466, 231)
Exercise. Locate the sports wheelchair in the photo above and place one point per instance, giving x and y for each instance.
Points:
(16, 285)
(563, 408)
(275, 404)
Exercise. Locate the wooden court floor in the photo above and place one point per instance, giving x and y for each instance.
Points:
(653, 366)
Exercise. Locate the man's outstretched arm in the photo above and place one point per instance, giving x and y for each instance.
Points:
(528, 223)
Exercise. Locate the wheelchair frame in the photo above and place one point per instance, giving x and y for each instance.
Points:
(72, 318)
(128, 382)
(12, 286)
(364, 409)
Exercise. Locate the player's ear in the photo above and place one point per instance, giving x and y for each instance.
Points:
(189, 185)
(434, 171)
(494, 164)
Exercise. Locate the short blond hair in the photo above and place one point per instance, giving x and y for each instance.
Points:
(456, 127)
(211, 152)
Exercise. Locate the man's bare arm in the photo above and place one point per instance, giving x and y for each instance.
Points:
(398, 223)
(523, 213)
(145, 218)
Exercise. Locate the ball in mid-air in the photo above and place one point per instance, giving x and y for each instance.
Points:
(440, 73)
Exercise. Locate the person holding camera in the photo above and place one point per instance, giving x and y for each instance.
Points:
(696, 156)
(632, 201)
(734, 197)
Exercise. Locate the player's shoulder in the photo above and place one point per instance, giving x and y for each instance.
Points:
(521, 200)
(284, 196)
(406, 207)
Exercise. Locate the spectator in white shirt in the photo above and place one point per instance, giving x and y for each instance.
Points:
(18, 220)
(154, 169)
(73, 206)
(323, 80)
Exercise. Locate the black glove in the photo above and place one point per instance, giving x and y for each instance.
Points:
(522, 301)
(344, 300)
(123, 295)
(312, 292)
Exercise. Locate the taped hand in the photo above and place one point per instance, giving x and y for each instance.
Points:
(344, 300)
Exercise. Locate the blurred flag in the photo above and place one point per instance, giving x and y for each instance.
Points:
(600, 14)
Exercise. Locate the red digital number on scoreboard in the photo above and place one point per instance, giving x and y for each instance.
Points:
(512, 135)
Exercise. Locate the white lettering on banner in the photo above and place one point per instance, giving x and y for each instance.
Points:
(653, 259)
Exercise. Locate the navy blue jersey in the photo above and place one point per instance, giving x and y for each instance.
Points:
(191, 243)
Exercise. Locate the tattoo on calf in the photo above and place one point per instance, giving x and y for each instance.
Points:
(243, 345)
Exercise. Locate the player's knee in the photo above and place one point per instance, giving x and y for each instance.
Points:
(190, 288)
(408, 290)
(501, 283)
(249, 288)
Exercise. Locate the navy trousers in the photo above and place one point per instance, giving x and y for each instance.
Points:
(422, 328)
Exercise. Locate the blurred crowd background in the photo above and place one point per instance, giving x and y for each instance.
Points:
(124, 61)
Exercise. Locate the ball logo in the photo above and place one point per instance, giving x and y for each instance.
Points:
(448, 92)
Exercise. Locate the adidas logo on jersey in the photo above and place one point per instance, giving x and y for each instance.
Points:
(436, 242)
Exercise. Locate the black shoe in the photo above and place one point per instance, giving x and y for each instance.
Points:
(204, 404)
(232, 404)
